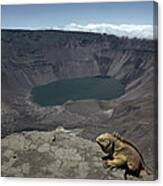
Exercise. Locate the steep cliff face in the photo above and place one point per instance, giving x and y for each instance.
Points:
(31, 58)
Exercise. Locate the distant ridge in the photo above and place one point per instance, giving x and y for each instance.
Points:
(122, 30)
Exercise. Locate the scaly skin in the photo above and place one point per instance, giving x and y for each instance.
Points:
(122, 154)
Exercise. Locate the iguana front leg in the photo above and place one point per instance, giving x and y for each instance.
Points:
(118, 161)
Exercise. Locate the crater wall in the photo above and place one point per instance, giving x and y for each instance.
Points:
(31, 58)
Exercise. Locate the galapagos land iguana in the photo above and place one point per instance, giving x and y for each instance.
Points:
(122, 154)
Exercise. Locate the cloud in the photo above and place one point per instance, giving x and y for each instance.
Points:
(130, 30)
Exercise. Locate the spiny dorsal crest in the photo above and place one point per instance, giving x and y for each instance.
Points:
(118, 136)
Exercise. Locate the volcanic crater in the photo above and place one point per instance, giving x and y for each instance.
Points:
(36, 58)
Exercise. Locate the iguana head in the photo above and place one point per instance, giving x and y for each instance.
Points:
(106, 142)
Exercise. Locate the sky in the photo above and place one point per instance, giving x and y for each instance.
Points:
(95, 17)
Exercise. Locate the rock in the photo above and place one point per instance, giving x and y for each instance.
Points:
(69, 157)
(44, 148)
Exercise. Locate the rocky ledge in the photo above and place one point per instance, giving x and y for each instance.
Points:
(56, 154)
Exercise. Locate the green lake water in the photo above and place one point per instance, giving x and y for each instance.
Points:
(58, 92)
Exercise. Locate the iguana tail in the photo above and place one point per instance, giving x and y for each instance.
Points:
(145, 172)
